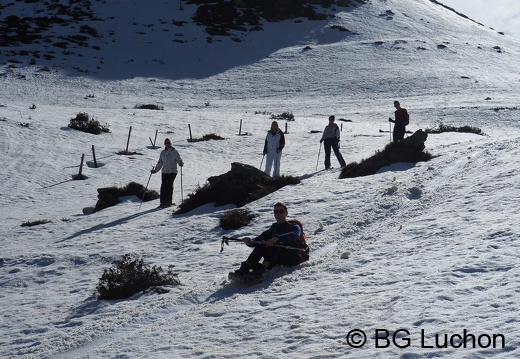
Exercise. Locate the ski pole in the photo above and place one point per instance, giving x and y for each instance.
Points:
(262, 161)
(225, 240)
(182, 192)
(144, 193)
(318, 160)
(390, 131)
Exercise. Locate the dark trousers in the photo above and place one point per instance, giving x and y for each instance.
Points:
(274, 255)
(332, 143)
(167, 188)
(399, 130)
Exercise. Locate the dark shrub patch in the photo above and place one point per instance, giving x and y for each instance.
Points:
(236, 219)
(210, 136)
(449, 128)
(283, 116)
(82, 122)
(35, 223)
(149, 107)
(410, 150)
(109, 196)
(242, 185)
(129, 276)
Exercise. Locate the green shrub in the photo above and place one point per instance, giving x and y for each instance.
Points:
(130, 276)
(35, 223)
(149, 107)
(449, 128)
(236, 219)
(109, 196)
(283, 116)
(82, 122)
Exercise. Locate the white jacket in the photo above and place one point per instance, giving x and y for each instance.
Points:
(168, 161)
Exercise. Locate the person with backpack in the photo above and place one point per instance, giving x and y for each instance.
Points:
(331, 135)
(168, 160)
(282, 244)
(402, 119)
(273, 146)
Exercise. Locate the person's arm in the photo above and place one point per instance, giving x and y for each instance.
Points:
(158, 166)
(179, 159)
(282, 142)
(291, 237)
(265, 145)
(261, 238)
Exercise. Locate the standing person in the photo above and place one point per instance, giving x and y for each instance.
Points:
(331, 137)
(401, 121)
(168, 160)
(273, 146)
(282, 233)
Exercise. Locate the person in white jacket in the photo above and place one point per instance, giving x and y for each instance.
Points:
(274, 144)
(168, 160)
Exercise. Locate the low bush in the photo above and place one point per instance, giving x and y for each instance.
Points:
(236, 219)
(35, 223)
(109, 196)
(82, 122)
(149, 107)
(283, 116)
(448, 128)
(129, 276)
(243, 184)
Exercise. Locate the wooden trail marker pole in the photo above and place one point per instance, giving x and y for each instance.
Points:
(94, 155)
(286, 128)
(240, 128)
(80, 173)
(128, 140)
(189, 127)
(155, 139)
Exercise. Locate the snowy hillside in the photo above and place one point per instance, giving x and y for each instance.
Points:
(434, 246)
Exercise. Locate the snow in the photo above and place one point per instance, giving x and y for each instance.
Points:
(434, 246)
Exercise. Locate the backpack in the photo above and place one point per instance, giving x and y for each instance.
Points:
(304, 255)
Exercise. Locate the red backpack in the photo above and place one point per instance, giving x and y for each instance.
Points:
(304, 255)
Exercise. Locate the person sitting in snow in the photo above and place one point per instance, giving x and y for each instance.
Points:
(273, 146)
(168, 160)
(401, 120)
(270, 246)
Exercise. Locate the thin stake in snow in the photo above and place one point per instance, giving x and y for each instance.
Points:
(94, 156)
(154, 140)
(128, 140)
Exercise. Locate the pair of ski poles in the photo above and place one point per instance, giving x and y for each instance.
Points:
(226, 239)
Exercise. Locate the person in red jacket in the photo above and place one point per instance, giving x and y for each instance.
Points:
(401, 121)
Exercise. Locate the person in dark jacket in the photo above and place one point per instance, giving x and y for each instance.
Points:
(269, 246)
(401, 120)
(330, 137)
(168, 160)
(273, 146)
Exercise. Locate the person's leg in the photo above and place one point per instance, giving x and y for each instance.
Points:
(167, 192)
(338, 154)
(327, 144)
(277, 159)
(268, 162)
